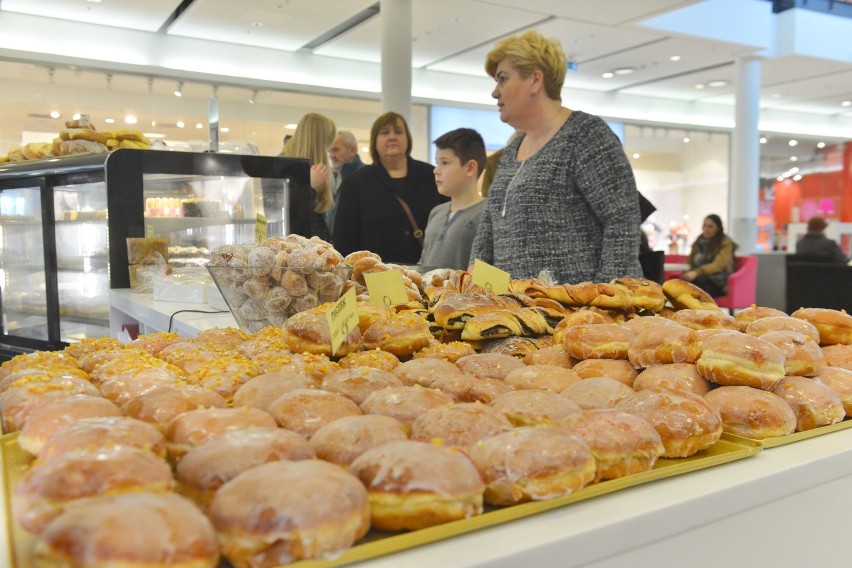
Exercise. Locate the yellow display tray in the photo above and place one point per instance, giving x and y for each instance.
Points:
(377, 543)
(794, 437)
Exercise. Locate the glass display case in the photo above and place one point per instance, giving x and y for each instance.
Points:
(64, 225)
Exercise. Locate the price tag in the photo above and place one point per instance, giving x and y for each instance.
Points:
(149, 231)
(341, 318)
(260, 228)
(386, 288)
(490, 277)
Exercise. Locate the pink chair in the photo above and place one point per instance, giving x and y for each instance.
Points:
(742, 284)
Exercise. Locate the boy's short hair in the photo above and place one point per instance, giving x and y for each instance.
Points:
(467, 144)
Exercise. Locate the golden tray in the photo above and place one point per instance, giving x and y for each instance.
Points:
(794, 437)
(377, 543)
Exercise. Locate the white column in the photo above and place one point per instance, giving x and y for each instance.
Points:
(745, 156)
(395, 16)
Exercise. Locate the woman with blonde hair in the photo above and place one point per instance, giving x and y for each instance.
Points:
(314, 133)
(563, 198)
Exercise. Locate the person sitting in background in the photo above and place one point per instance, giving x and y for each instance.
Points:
(384, 206)
(711, 259)
(815, 243)
(452, 226)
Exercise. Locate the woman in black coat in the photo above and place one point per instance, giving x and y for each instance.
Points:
(371, 215)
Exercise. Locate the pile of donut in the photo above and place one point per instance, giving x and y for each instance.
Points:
(266, 448)
(79, 137)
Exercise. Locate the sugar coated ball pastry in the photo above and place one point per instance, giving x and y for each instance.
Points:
(414, 485)
(93, 433)
(489, 365)
(741, 360)
(125, 386)
(618, 369)
(92, 344)
(838, 356)
(840, 381)
(190, 356)
(129, 530)
(451, 351)
(532, 464)
(23, 397)
(597, 392)
(402, 334)
(305, 410)
(552, 355)
(375, 358)
(159, 405)
(153, 343)
(59, 414)
(597, 341)
(782, 323)
(225, 337)
(357, 383)
(622, 443)
(191, 428)
(546, 377)
(752, 413)
(308, 332)
(261, 390)
(459, 425)
(285, 511)
(40, 359)
(814, 403)
(641, 323)
(404, 403)
(747, 315)
(45, 490)
(214, 462)
(127, 360)
(579, 317)
(341, 441)
(469, 388)
(802, 355)
(314, 366)
(425, 371)
(835, 326)
(660, 345)
(535, 407)
(705, 319)
(683, 376)
(686, 423)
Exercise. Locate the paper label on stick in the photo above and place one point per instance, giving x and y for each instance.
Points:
(490, 277)
(342, 318)
(386, 288)
(260, 228)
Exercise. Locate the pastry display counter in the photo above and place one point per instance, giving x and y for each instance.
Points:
(129, 308)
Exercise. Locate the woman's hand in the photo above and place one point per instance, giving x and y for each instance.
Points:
(689, 275)
(319, 176)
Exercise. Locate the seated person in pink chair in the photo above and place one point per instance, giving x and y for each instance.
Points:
(711, 259)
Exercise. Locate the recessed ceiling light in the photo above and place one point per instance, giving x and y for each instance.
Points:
(846, 103)
(797, 177)
(109, 120)
(793, 170)
(820, 144)
(54, 114)
(686, 139)
(225, 129)
(624, 70)
(715, 83)
(636, 156)
(674, 58)
(607, 75)
(794, 159)
(199, 125)
(75, 116)
(291, 126)
(130, 119)
(699, 86)
(179, 90)
(779, 178)
(763, 139)
(365, 149)
(793, 142)
(180, 124)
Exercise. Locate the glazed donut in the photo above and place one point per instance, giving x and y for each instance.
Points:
(281, 512)
(190, 356)
(308, 332)
(225, 337)
(131, 529)
(93, 433)
(308, 364)
(125, 386)
(641, 323)
(44, 491)
(660, 345)
(545, 377)
(219, 459)
(159, 405)
(452, 351)
(414, 485)
(23, 397)
(840, 381)
(644, 294)
(191, 428)
(747, 315)
(58, 415)
(705, 334)
(802, 355)
(752, 413)
(463, 387)
(402, 334)
(92, 345)
(835, 326)
(126, 360)
(597, 392)
(405, 404)
(734, 359)
(44, 360)
(356, 383)
(341, 441)
(814, 403)
(673, 376)
(686, 423)
(375, 358)
(534, 407)
(838, 356)
(597, 341)
(489, 365)
(532, 464)
(579, 317)
(459, 425)
(424, 371)
(686, 295)
(226, 375)
(305, 410)
(552, 355)
(622, 443)
(617, 369)
(782, 323)
(705, 319)
(260, 391)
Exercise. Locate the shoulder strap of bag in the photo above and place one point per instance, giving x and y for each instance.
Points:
(418, 234)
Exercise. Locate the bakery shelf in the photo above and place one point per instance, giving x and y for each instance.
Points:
(163, 225)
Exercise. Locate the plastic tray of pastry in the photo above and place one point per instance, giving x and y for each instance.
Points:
(794, 437)
(377, 543)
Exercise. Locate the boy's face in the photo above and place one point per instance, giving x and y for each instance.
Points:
(450, 174)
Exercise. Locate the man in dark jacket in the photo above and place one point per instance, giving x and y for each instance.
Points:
(815, 243)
